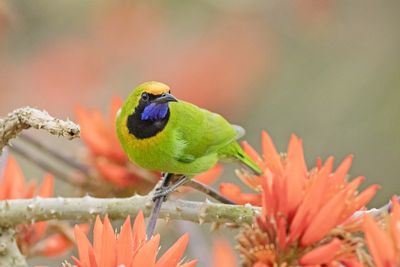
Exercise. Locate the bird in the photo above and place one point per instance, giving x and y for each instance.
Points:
(161, 133)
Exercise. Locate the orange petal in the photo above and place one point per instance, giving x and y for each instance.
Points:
(139, 231)
(352, 262)
(146, 255)
(223, 254)
(340, 174)
(174, 254)
(379, 243)
(252, 154)
(296, 173)
(47, 187)
(30, 189)
(39, 230)
(359, 202)
(324, 220)
(55, 245)
(296, 153)
(233, 193)
(282, 228)
(97, 237)
(13, 183)
(365, 197)
(269, 201)
(115, 173)
(323, 254)
(91, 133)
(272, 158)
(108, 249)
(395, 222)
(259, 264)
(210, 176)
(92, 258)
(77, 262)
(83, 246)
(125, 244)
(312, 200)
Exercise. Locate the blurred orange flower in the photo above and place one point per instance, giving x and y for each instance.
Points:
(108, 158)
(129, 248)
(106, 155)
(223, 255)
(384, 244)
(302, 210)
(32, 239)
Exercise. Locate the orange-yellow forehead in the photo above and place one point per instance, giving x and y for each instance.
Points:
(156, 88)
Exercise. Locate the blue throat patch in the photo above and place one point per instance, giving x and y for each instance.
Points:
(155, 112)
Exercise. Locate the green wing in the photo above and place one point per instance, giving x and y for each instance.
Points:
(202, 131)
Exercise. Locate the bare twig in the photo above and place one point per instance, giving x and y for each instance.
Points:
(45, 166)
(3, 160)
(375, 212)
(21, 211)
(9, 252)
(55, 154)
(24, 118)
(208, 191)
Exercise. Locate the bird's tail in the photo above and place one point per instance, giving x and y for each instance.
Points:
(249, 163)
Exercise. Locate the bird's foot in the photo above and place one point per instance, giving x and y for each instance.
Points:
(164, 191)
(161, 192)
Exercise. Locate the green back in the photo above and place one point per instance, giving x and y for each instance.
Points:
(202, 131)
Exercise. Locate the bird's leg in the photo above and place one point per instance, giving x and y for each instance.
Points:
(157, 205)
(165, 191)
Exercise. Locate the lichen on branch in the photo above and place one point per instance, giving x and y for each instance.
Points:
(9, 252)
(27, 117)
(21, 211)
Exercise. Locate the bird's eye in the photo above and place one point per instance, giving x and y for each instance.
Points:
(145, 96)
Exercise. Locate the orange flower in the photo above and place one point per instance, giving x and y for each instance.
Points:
(223, 255)
(129, 248)
(107, 156)
(384, 244)
(301, 209)
(110, 160)
(32, 239)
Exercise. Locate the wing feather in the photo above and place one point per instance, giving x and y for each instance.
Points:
(203, 132)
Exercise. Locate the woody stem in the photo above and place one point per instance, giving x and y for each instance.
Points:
(20, 211)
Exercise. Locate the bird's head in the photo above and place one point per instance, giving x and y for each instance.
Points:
(150, 101)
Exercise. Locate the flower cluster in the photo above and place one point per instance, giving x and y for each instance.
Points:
(129, 248)
(384, 242)
(36, 239)
(306, 215)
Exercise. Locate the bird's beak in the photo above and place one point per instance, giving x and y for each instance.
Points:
(164, 98)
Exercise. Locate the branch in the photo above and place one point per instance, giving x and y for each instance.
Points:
(9, 252)
(22, 211)
(55, 153)
(375, 212)
(208, 190)
(24, 118)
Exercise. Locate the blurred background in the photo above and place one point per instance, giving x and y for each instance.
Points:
(326, 70)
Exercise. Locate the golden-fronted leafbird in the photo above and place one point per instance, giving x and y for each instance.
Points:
(159, 132)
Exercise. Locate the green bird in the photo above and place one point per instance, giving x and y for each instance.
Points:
(159, 132)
